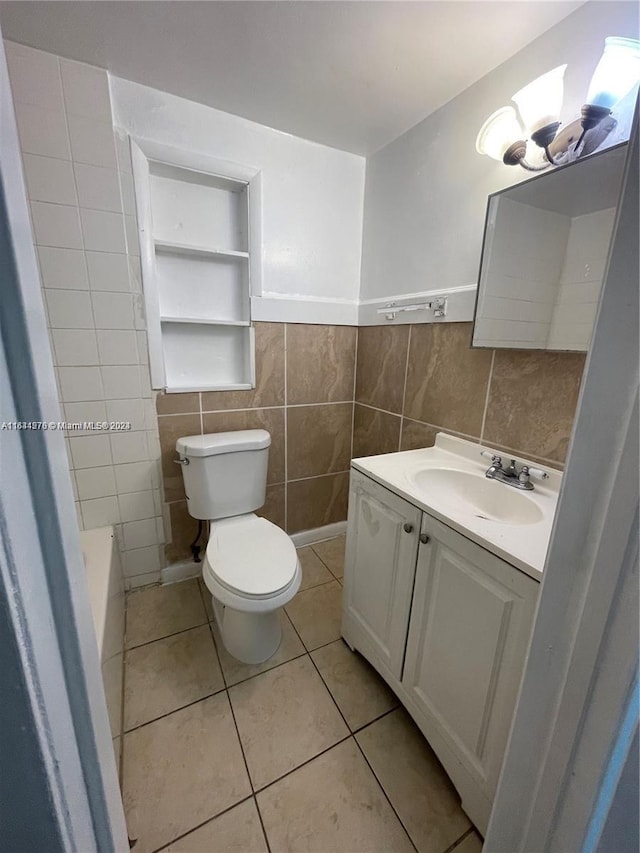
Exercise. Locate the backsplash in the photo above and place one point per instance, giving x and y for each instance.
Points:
(80, 189)
(414, 381)
(304, 397)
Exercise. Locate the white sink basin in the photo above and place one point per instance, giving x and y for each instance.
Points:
(476, 495)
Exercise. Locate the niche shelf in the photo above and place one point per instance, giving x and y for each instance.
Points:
(199, 227)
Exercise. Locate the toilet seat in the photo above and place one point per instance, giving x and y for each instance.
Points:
(250, 557)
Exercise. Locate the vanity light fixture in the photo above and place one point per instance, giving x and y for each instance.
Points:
(539, 104)
(438, 306)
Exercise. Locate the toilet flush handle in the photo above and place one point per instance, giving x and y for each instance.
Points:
(181, 461)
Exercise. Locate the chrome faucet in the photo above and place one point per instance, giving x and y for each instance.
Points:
(511, 476)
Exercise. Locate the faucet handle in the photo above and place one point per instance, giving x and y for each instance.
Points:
(538, 473)
(496, 460)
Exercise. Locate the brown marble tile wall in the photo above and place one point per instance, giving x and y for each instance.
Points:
(409, 383)
(415, 381)
(304, 397)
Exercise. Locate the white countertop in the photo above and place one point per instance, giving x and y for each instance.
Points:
(522, 545)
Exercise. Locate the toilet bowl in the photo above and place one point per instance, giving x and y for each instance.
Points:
(251, 567)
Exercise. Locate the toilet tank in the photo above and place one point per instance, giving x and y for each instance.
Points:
(225, 473)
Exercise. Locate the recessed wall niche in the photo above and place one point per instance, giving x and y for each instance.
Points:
(199, 233)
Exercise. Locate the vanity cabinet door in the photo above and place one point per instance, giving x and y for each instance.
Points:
(382, 544)
(470, 627)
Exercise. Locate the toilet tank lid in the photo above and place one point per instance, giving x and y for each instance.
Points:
(223, 442)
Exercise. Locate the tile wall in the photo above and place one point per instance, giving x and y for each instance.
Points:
(414, 381)
(80, 190)
(304, 397)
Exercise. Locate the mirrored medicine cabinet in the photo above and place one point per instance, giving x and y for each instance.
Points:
(544, 253)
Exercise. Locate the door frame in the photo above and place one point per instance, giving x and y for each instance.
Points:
(42, 574)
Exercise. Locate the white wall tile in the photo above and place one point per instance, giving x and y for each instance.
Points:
(92, 142)
(98, 188)
(141, 561)
(85, 411)
(108, 271)
(80, 383)
(117, 347)
(131, 228)
(136, 506)
(102, 231)
(91, 451)
(127, 411)
(150, 416)
(34, 76)
(95, 482)
(63, 268)
(137, 581)
(112, 310)
(86, 90)
(121, 382)
(123, 150)
(139, 314)
(135, 477)
(160, 529)
(143, 350)
(75, 347)
(128, 193)
(42, 131)
(99, 512)
(135, 273)
(128, 447)
(69, 309)
(153, 443)
(49, 179)
(139, 534)
(56, 225)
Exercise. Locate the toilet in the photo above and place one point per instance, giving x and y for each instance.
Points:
(251, 567)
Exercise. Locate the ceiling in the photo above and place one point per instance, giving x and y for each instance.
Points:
(353, 75)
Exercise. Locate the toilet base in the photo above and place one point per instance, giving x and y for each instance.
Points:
(250, 637)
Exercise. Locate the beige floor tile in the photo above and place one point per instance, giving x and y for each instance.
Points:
(206, 598)
(180, 771)
(331, 804)
(360, 693)
(314, 571)
(414, 781)
(317, 614)
(158, 611)
(236, 831)
(236, 671)
(331, 553)
(284, 717)
(168, 674)
(471, 844)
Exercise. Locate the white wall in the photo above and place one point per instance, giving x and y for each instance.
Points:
(80, 191)
(426, 192)
(312, 200)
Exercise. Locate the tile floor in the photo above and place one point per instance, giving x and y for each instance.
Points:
(309, 751)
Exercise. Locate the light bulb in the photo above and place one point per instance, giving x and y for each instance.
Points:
(540, 101)
(498, 132)
(616, 73)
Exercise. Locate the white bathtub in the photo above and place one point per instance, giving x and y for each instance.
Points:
(106, 595)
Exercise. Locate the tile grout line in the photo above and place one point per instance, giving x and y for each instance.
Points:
(200, 825)
(459, 841)
(386, 796)
(404, 390)
(486, 398)
(174, 633)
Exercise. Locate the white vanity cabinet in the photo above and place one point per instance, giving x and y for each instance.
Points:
(446, 623)
(382, 546)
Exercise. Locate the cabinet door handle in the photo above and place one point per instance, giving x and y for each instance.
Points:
(424, 538)
(408, 528)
